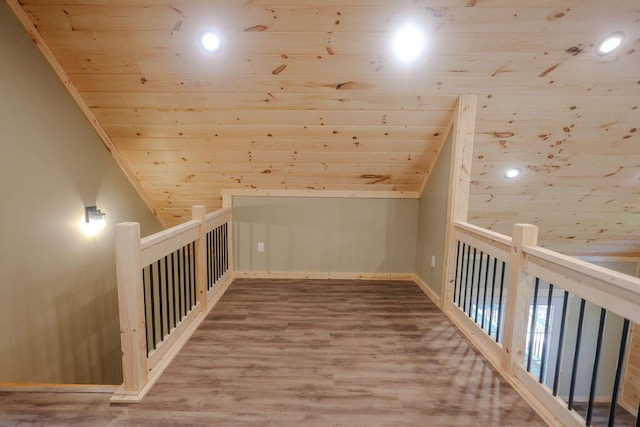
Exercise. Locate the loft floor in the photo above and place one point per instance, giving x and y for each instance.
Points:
(308, 352)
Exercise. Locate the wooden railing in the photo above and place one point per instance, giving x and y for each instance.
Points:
(167, 283)
(554, 326)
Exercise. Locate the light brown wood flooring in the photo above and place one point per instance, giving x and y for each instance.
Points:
(308, 352)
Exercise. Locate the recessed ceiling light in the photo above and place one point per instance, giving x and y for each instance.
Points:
(210, 41)
(512, 173)
(408, 43)
(610, 43)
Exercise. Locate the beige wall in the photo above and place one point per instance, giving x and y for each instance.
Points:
(58, 303)
(432, 222)
(325, 234)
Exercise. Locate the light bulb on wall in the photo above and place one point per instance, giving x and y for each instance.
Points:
(94, 221)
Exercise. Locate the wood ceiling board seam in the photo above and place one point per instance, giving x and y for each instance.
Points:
(438, 84)
(516, 64)
(269, 117)
(295, 19)
(346, 146)
(283, 101)
(230, 192)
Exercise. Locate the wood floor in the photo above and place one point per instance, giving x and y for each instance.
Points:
(312, 352)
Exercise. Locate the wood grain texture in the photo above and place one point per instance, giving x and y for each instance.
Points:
(314, 352)
(312, 95)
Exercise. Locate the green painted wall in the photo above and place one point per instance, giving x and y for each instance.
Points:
(58, 301)
(432, 221)
(325, 234)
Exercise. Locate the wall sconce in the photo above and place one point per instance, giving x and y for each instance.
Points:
(94, 221)
(93, 215)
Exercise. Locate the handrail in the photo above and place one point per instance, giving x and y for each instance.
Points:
(491, 242)
(497, 238)
(217, 214)
(596, 272)
(167, 284)
(538, 277)
(161, 244)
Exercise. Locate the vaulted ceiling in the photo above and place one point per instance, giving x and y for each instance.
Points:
(309, 95)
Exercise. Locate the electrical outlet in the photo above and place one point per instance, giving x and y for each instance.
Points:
(433, 260)
(260, 246)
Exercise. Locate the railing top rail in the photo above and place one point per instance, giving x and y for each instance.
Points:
(602, 274)
(488, 234)
(167, 234)
(216, 218)
(216, 214)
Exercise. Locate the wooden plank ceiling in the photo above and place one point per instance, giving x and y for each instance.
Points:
(309, 95)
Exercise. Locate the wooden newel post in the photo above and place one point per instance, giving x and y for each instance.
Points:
(518, 298)
(198, 213)
(463, 133)
(131, 302)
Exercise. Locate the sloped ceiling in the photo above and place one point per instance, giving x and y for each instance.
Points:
(309, 95)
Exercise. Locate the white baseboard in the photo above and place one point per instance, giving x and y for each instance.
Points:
(322, 275)
(56, 388)
(427, 290)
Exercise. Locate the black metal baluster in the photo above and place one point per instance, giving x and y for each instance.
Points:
(220, 257)
(146, 305)
(484, 295)
(532, 328)
(462, 269)
(166, 275)
(187, 266)
(455, 278)
(208, 258)
(160, 306)
(216, 255)
(616, 383)
(193, 274)
(504, 264)
(576, 354)
(475, 317)
(473, 273)
(545, 346)
(596, 365)
(222, 252)
(173, 283)
(211, 257)
(462, 303)
(189, 260)
(183, 281)
(179, 282)
(493, 290)
(563, 320)
(153, 311)
(225, 249)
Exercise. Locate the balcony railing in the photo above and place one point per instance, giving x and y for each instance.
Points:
(167, 283)
(555, 326)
